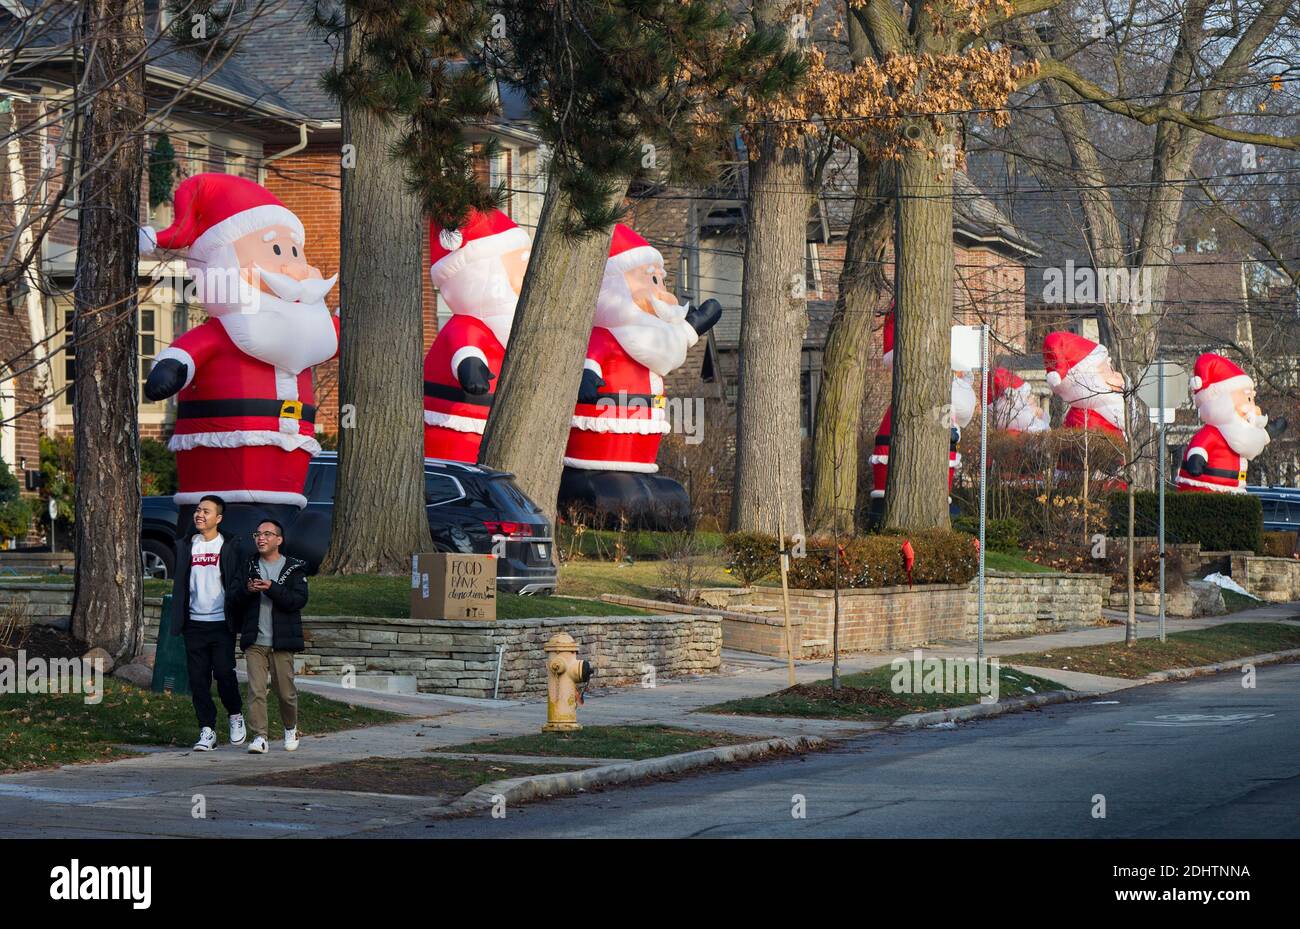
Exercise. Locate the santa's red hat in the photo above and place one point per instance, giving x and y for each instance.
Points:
(887, 337)
(1215, 376)
(212, 211)
(1065, 351)
(627, 250)
(1003, 382)
(482, 235)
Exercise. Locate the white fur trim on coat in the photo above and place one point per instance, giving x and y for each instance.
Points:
(466, 351)
(590, 465)
(452, 421)
(453, 263)
(657, 426)
(233, 228)
(591, 364)
(877, 494)
(242, 439)
(243, 496)
(1221, 488)
(879, 459)
(1197, 450)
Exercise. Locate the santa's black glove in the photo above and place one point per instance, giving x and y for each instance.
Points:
(1194, 465)
(954, 436)
(474, 376)
(588, 392)
(1276, 427)
(702, 318)
(166, 377)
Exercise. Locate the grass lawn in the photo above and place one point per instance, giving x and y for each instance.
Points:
(635, 742)
(1181, 650)
(1004, 561)
(42, 730)
(604, 543)
(444, 778)
(868, 695)
(591, 578)
(378, 595)
(1236, 602)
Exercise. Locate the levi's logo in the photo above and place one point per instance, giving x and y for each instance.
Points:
(204, 559)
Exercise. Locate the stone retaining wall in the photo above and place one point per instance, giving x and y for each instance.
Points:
(51, 604)
(1025, 604)
(1276, 580)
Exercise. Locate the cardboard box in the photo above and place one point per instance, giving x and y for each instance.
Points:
(453, 586)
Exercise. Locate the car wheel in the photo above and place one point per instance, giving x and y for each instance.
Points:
(157, 559)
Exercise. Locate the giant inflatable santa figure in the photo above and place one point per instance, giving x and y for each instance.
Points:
(964, 358)
(245, 410)
(1235, 430)
(641, 333)
(1080, 374)
(479, 270)
(1012, 405)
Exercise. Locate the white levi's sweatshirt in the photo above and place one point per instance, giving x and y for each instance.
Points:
(207, 595)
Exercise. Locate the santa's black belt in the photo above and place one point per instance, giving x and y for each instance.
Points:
(1222, 472)
(455, 394)
(235, 406)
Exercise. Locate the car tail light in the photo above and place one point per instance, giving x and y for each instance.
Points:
(510, 530)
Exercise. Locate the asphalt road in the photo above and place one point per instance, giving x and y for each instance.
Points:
(1203, 758)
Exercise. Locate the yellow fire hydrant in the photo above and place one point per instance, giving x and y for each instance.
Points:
(564, 672)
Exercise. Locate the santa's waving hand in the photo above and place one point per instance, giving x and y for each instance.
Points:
(245, 412)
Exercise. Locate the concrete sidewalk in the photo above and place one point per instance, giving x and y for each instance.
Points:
(159, 792)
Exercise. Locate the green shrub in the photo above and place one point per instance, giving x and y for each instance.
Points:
(15, 511)
(58, 474)
(1000, 535)
(157, 469)
(1220, 522)
(751, 556)
(1278, 544)
(942, 557)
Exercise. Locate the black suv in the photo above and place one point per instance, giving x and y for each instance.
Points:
(471, 509)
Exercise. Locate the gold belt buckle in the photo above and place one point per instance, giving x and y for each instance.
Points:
(291, 409)
(660, 401)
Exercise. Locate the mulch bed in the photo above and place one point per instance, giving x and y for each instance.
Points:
(42, 641)
(864, 697)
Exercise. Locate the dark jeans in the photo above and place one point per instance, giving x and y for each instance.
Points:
(210, 653)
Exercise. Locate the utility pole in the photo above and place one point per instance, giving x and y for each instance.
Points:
(1160, 389)
(984, 474)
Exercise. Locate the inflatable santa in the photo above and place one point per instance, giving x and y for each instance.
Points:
(1235, 430)
(245, 410)
(479, 270)
(641, 333)
(1080, 374)
(1013, 406)
(964, 358)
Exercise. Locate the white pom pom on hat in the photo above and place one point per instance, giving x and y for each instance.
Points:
(148, 239)
(1053, 379)
(451, 239)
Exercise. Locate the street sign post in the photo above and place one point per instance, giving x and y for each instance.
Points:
(1164, 389)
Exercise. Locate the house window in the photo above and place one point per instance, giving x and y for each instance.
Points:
(235, 163)
(8, 410)
(198, 159)
(813, 271)
(148, 345)
(67, 318)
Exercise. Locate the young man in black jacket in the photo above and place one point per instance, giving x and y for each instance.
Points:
(207, 561)
(266, 600)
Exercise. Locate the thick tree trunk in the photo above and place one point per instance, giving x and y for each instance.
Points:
(772, 326)
(106, 604)
(916, 495)
(379, 515)
(529, 423)
(837, 433)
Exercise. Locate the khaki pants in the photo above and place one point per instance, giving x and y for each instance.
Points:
(265, 664)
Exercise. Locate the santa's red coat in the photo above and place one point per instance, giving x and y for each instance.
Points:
(623, 432)
(245, 429)
(1079, 418)
(880, 457)
(453, 419)
(1225, 470)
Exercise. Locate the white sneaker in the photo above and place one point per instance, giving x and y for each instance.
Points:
(257, 746)
(207, 740)
(237, 731)
(291, 739)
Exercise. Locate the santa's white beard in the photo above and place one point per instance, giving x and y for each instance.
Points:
(1086, 390)
(659, 344)
(482, 290)
(1014, 412)
(963, 402)
(290, 336)
(1245, 436)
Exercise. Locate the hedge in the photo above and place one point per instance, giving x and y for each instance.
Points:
(1000, 535)
(1221, 522)
(942, 556)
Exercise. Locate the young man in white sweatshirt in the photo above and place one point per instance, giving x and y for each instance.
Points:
(205, 563)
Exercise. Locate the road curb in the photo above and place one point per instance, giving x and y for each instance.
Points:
(537, 786)
(980, 710)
